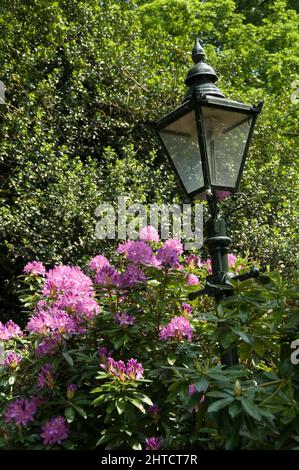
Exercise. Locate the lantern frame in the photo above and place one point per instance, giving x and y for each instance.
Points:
(196, 104)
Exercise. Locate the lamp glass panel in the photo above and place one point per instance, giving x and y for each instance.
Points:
(181, 141)
(226, 134)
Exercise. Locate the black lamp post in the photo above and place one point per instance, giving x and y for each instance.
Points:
(207, 140)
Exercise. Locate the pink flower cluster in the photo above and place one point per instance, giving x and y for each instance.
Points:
(187, 308)
(149, 234)
(192, 261)
(140, 252)
(49, 345)
(154, 411)
(124, 319)
(70, 391)
(55, 431)
(131, 277)
(12, 359)
(207, 264)
(46, 377)
(98, 262)
(10, 331)
(153, 443)
(132, 370)
(108, 276)
(68, 301)
(21, 412)
(53, 320)
(35, 268)
(192, 280)
(178, 328)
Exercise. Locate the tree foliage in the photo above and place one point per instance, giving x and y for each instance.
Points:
(84, 81)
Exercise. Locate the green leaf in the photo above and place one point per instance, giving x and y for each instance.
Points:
(242, 335)
(80, 411)
(11, 380)
(219, 404)
(143, 398)
(120, 405)
(202, 385)
(70, 414)
(243, 313)
(218, 394)
(138, 404)
(68, 358)
(119, 342)
(171, 359)
(136, 446)
(226, 338)
(234, 409)
(251, 409)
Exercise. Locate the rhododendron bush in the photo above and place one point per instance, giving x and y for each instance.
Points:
(115, 356)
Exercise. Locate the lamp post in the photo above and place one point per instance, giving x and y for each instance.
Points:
(206, 140)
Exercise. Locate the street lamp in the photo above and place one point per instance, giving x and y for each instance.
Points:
(207, 140)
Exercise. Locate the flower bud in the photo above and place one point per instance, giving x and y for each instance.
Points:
(71, 389)
(238, 389)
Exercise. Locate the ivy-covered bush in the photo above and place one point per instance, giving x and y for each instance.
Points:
(117, 357)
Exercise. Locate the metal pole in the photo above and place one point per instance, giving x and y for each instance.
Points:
(218, 243)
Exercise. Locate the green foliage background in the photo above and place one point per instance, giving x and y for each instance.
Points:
(85, 78)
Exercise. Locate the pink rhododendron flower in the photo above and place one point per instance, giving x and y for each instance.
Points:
(123, 248)
(86, 307)
(124, 319)
(232, 259)
(71, 303)
(49, 345)
(67, 280)
(54, 320)
(153, 443)
(70, 391)
(117, 369)
(168, 257)
(98, 262)
(149, 233)
(178, 328)
(103, 352)
(187, 308)
(192, 261)
(154, 411)
(55, 431)
(39, 323)
(192, 280)
(12, 359)
(207, 264)
(139, 252)
(46, 377)
(21, 412)
(35, 268)
(107, 276)
(134, 369)
(192, 389)
(10, 330)
(176, 244)
(131, 277)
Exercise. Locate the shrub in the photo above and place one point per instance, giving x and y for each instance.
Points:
(118, 358)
